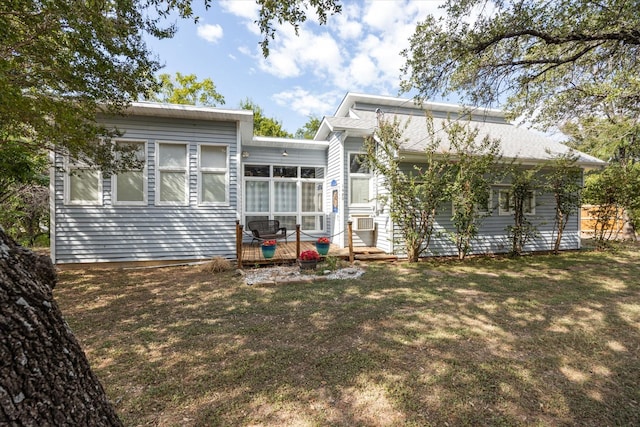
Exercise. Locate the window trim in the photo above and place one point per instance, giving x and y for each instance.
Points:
(159, 170)
(510, 211)
(485, 212)
(271, 213)
(351, 175)
(145, 177)
(69, 166)
(204, 170)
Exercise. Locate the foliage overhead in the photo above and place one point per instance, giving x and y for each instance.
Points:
(614, 139)
(293, 12)
(572, 57)
(262, 125)
(61, 62)
(186, 89)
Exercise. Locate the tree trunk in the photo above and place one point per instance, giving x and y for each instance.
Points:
(45, 377)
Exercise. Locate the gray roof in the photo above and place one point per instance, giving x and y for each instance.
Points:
(525, 145)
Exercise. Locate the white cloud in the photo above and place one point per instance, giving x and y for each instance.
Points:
(211, 33)
(347, 24)
(246, 9)
(305, 103)
(292, 55)
(243, 9)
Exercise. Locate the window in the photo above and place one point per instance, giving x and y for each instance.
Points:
(83, 184)
(505, 202)
(130, 187)
(172, 176)
(312, 214)
(359, 180)
(213, 173)
(291, 194)
(481, 208)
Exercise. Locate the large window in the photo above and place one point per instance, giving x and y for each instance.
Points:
(359, 180)
(130, 187)
(83, 184)
(172, 178)
(213, 166)
(291, 194)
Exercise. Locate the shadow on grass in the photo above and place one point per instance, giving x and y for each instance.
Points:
(550, 340)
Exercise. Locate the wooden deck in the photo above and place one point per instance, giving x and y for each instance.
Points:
(286, 253)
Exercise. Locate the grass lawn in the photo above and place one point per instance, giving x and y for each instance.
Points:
(542, 340)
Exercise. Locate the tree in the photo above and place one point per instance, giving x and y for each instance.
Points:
(309, 129)
(552, 60)
(262, 125)
(613, 138)
(293, 12)
(520, 200)
(616, 139)
(474, 170)
(62, 62)
(186, 89)
(613, 192)
(413, 196)
(563, 180)
(45, 377)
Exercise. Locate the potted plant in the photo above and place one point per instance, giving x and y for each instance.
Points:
(268, 248)
(309, 260)
(322, 245)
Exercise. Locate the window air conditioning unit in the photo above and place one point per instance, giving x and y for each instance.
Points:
(363, 223)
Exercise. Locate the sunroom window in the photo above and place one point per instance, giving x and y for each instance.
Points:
(130, 187)
(83, 184)
(290, 194)
(172, 180)
(213, 171)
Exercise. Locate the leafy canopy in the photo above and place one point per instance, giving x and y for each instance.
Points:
(551, 60)
(61, 62)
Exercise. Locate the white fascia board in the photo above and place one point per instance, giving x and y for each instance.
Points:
(157, 109)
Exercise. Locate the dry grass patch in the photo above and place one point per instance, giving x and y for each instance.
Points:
(543, 340)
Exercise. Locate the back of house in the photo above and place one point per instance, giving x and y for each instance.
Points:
(203, 171)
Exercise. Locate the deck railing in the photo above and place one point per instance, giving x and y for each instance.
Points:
(298, 234)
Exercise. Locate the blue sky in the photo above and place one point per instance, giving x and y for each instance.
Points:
(308, 74)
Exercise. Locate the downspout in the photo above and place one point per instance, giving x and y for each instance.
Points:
(52, 206)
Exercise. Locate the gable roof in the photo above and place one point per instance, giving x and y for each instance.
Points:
(358, 116)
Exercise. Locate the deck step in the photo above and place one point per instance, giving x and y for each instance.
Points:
(376, 257)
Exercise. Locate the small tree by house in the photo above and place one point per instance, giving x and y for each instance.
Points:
(520, 200)
(473, 171)
(414, 196)
(603, 191)
(563, 181)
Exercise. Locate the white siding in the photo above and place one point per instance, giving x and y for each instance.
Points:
(110, 233)
(335, 172)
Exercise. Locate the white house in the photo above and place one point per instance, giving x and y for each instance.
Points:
(204, 170)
